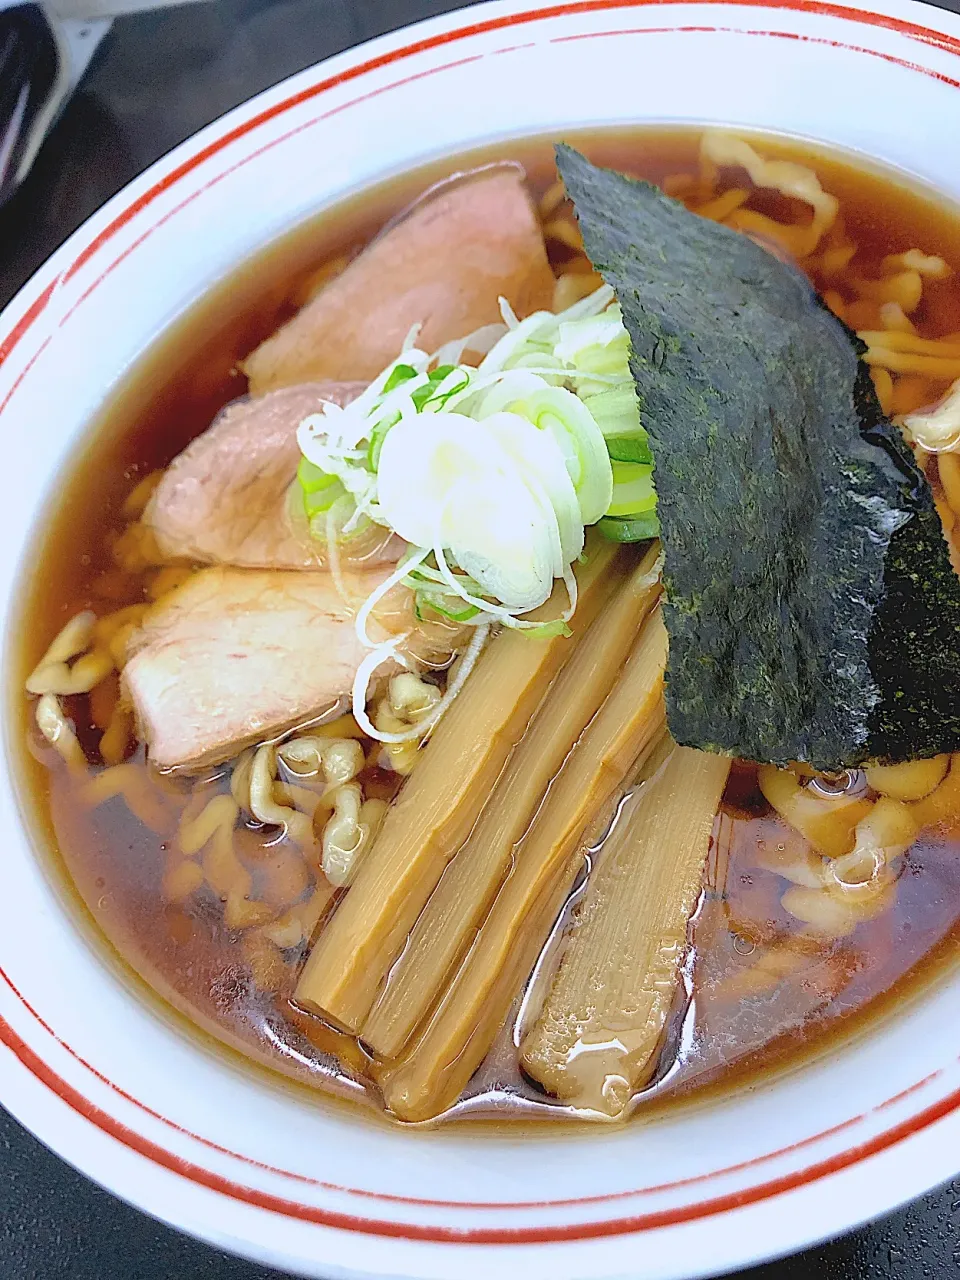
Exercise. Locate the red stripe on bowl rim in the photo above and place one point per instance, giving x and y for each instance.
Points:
(459, 1234)
(571, 1202)
(114, 1128)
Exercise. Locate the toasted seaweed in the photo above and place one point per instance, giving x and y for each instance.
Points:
(812, 609)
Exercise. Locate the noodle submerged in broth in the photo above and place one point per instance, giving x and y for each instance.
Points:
(412, 900)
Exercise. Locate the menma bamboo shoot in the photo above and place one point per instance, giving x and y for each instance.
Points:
(466, 1022)
(467, 888)
(601, 1028)
(439, 805)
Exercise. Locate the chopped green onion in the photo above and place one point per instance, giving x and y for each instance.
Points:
(460, 384)
(323, 499)
(568, 420)
(431, 600)
(630, 447)
(633, 491)
(320, 489)
(615, 409)
(636, 529)
(547, 630)
(430, 392)
(313, 478)
(401, 373)
(378, 434)
(596, 345)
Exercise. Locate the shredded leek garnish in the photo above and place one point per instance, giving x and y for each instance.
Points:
(490, 474)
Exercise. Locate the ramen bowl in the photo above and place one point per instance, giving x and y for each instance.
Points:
(167, 1120)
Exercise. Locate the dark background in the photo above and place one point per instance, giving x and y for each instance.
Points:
(156, 79)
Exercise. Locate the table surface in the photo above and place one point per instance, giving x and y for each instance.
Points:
(157, 78)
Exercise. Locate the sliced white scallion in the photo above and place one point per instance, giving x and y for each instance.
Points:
(446, 480)
(567, 419)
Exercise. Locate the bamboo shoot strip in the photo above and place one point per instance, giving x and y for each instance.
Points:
(467, 888)
(466, 1022)
(601, 1028)
(438, 806)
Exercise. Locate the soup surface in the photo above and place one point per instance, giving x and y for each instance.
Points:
(216, 909)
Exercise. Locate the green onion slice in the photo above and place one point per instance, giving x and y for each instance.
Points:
(633, 491)
(637, 529)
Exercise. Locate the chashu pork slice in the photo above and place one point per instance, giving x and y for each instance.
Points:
(235, 656)
(444, 266)
(224, 499)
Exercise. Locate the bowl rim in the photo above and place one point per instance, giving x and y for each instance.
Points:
(28, 307)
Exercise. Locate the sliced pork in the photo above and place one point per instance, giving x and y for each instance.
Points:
(444, 266)
(235, 656)
(224, 499)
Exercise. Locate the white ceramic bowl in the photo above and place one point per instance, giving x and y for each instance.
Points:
(139, 1105)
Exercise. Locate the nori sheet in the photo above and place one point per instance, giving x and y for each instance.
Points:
(812, 609)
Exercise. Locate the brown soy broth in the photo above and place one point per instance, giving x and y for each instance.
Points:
(737, 1025)
(749, 1026)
